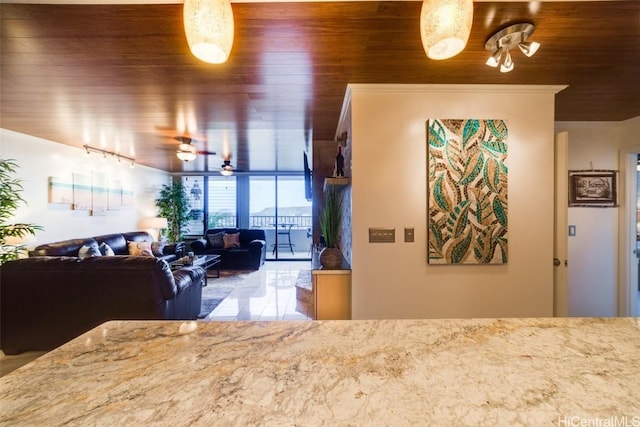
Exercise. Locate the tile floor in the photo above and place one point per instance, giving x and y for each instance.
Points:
(269, 294)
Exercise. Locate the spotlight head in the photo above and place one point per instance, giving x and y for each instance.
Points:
(529, 48)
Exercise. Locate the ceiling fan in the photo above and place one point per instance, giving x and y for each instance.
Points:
(187, 151)
(226, 169)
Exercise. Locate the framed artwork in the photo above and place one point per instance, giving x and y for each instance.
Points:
(114, 199)
(60, 190)
(99, 193)
(593, 188)
(127, 196)
(81, 192)
(467, 183)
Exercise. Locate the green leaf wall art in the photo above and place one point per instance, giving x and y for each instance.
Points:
(467, 185)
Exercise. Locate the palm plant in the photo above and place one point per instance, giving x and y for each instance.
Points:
(173, 204)
(10, 199)
(331, 217)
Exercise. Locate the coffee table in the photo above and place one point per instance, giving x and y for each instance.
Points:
(207, 262)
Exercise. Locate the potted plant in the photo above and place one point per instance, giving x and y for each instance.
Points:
(330, 219)
(173, 204)
(10, 198)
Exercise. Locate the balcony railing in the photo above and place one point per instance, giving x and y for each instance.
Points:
(261, 221)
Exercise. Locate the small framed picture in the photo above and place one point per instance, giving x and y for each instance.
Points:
(596, 188)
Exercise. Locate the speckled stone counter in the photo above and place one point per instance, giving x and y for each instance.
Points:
(334, 373)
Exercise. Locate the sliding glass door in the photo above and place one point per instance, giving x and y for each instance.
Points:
(277, 204)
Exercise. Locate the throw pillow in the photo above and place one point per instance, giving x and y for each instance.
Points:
(106, 250)
(231, 240)
(88, 251)
(139, 248)
(216, 240)
(157, 248)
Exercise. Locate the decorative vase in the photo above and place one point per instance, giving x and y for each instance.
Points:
(331, 258)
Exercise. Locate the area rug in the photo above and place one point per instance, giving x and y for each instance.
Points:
(218, 289)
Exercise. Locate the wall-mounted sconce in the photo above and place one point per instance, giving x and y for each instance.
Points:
(106, 153)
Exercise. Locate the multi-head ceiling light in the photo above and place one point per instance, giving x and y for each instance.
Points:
(504, 40)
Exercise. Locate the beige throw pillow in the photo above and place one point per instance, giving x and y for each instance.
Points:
(139, 248)
(231, 240)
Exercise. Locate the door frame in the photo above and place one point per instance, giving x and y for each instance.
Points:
(627, 259)
(561, 212)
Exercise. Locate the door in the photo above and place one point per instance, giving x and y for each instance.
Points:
(278, 205)
(560, 249)
(628, 232)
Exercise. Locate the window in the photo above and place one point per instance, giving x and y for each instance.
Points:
(222, 206)
(194, 186)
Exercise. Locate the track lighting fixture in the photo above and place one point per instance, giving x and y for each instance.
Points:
(500, 44)
(106, 153)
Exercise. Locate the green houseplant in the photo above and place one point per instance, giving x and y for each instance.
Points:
(173, 204)
(10, 199)
(330, 220)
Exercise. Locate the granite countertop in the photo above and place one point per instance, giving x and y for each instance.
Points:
(334, 373)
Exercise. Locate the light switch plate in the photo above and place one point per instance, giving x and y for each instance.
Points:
(409, 234)
(382, 235)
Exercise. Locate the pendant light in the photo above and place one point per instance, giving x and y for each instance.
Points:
(208, 25)
(445, 26)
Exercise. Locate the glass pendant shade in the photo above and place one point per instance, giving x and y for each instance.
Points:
(186, 156)
(187, 147)
(208, 25)
(445, 26)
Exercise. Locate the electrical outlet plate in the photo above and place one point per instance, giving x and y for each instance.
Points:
(382, 235)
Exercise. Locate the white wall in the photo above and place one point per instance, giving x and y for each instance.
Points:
(593, 252)
(39, 159)
(389, 190)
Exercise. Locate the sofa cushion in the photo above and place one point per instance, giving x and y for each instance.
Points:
(89, 250)
(216, 240)
(140, 248)
(157, 248)
(115, 241)
(231, 240)
(63, 248)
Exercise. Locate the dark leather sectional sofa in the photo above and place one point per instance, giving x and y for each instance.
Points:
(46, 301)
(117, 242)
(250, 255)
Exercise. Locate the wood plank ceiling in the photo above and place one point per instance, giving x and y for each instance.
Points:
(121, 76)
